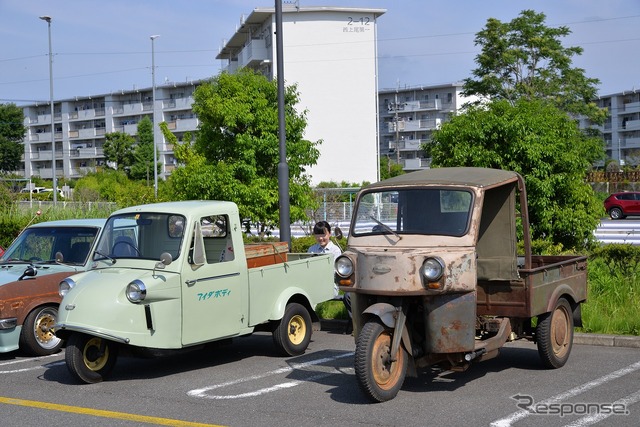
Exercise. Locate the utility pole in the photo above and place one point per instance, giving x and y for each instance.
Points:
(395, 107)
(155, 121)
(283, 167)
(53, 129)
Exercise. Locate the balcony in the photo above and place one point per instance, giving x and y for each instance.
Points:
(631, 125)
(86, 152)
(414, 125)
(631, 107)
(253, 53)
(627, 143)
(128, 109)
(407, 144)
(232, 67)
(415, 164)
(183, 125)
(131, 128)
(46, 154)
(179, 103)
(409, 106)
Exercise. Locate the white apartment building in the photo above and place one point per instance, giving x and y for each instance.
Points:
(621, 130)
(409, 115)
(331, 54)
(80, 125)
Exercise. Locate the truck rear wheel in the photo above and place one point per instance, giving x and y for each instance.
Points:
(293, 332)
(90, 359)
(379, 377)
(37, 337)
(554, 334)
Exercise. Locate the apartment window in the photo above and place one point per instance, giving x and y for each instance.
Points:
(449, 97)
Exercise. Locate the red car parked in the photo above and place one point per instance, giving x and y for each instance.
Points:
(623, 204)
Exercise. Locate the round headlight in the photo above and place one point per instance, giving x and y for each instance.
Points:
(432, 269)
(136, 291)
(65, 286)
(344, 266)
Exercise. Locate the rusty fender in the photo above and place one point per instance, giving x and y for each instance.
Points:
(394, 318)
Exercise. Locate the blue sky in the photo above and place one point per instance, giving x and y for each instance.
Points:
(104, 46)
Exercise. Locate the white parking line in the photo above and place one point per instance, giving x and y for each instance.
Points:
(596, 418)
(202, 392)
(13, 362)
(516, 416)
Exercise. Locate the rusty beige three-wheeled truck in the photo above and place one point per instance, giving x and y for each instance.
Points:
(435, 277)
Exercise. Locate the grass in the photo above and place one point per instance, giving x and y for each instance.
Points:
(613, 300)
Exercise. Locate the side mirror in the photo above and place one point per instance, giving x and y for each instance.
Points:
(338, 233)
(165, 259)
(29, 272)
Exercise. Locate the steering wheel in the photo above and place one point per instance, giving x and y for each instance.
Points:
(124, 242)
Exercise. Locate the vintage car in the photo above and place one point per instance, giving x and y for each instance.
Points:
(30, 270)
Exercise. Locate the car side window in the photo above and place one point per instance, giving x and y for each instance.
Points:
(217, 239)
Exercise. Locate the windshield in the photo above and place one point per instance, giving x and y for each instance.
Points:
(40, 244)
(433, 211)
(141, 235)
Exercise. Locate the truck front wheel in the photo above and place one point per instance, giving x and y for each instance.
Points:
(90, 359)
(554, 334)
(292, 334)
(379, 377)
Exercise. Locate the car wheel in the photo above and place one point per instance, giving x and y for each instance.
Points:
(37, 337)
(555, 335)
(293, 333)
(90, 359)
(379, 376)
(616, 213)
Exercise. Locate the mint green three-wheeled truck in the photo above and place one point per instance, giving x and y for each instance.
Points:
(173, 276)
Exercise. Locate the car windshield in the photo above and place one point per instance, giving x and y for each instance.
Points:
(141, 235)
(40, 244)
(433, 211)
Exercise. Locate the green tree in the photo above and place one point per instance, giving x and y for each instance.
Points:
(525, 58)
(544, 145)
(142, 164)
(389, 169)
(112, 186)
(235, 155)
(118, 148)
(12, 132)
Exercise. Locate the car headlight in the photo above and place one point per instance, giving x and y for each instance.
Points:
(136, 291)
(65, 286)
(432, 269)
(344, 266)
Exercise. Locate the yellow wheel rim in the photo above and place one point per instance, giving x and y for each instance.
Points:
(297, 329)
(92, 347)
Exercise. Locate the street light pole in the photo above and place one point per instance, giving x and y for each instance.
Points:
(53, 130)
(155, 121)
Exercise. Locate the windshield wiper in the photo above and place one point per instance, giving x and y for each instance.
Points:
(113, 260)
(385, 227)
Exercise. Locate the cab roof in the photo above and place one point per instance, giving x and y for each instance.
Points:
(462, 176)
(186, 208)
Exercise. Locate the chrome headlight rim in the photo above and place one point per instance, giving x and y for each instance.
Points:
(432, 269)
(136, 291)
(343, 266)
(65, 286)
